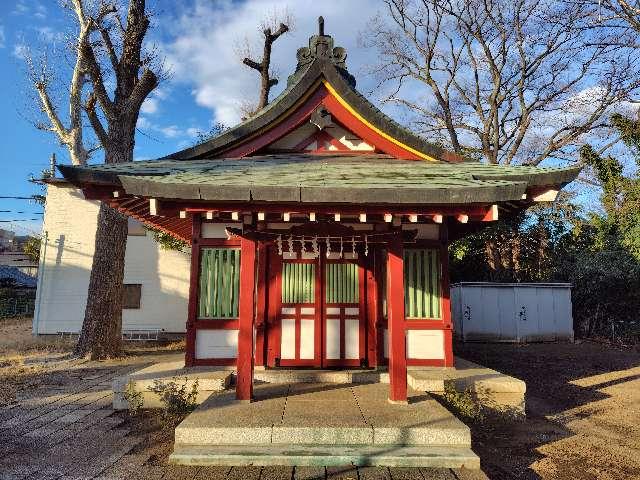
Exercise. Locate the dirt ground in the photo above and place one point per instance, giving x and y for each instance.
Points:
(583, 409)
(583, 412)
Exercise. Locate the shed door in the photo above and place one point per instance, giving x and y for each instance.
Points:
(527, 315)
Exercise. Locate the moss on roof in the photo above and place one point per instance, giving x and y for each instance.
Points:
(326, 178)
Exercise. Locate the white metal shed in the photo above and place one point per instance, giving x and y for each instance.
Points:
(512, 312)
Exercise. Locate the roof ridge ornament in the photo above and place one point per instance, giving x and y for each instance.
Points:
(321, 46)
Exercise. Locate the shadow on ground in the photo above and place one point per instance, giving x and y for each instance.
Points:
(579, 401)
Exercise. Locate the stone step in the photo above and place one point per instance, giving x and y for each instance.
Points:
(456, 435)
(322, 414)
(326, 455)
(321, 376)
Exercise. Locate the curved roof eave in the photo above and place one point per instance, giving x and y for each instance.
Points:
(299, 85)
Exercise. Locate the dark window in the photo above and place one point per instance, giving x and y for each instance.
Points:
(131, 296)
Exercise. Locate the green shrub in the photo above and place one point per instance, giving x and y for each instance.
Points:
(176, 398)
(463, 404)
(134, 399)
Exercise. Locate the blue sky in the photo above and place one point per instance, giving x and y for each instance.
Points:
(199, 40)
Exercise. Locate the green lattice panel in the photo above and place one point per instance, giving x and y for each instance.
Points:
(421, 283)
(219, 283)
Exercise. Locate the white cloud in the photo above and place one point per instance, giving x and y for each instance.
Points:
(170, 131)
(30, 7)
(193, 132)
(48, 34)
(40, 11)
(20, 51)
(202, 50)
(21, 8)
(149, 106)
(2, 37)
(161, 93)
(143, 123)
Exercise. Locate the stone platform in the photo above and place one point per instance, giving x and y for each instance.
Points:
(493, 389)
(323, 424)
(209, 380)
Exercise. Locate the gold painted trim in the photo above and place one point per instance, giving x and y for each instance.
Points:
(344, 103)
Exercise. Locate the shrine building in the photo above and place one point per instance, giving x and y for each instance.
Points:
(319, 229)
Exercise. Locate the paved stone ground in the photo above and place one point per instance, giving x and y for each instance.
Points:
(65, 429)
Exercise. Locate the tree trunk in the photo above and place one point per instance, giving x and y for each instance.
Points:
(101, 334)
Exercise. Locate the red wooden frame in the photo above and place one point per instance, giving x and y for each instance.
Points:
(445, 295)
(362, 314)
(268, 301)
(372, 308)
(261, 304)
(244, 378)
(395, 314)
(297, 361)
(194, 323)
(324, 137)
(190, 347)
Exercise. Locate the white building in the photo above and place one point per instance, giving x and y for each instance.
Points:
(157, 280)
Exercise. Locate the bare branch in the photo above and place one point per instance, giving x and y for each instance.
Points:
(141, 91)
(520, 80)
(267, 81)
(252, 64)
(96, 124)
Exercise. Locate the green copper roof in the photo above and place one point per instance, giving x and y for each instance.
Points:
(323, 179)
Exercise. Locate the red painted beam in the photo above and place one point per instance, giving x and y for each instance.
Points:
(348, 209)
(244, 382)
(395, 313)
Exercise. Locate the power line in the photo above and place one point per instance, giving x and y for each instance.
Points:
(19, 211)
(18, 198)
(21, 220)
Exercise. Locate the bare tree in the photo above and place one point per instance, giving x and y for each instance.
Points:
(108, 49)
(272, 29)
(616, 13)
(516, 81)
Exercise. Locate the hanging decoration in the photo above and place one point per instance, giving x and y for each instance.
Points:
(290, 242)
(311, 244)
